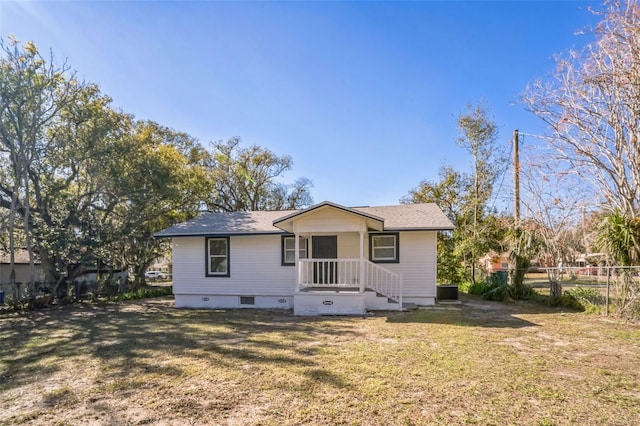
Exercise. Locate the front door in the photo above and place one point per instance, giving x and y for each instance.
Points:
(325, 247)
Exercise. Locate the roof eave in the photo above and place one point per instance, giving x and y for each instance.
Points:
(214, 233)
(430, 228)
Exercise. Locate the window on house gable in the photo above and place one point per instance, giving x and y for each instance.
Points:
(218, 257)
(289, 249)
(384, 248)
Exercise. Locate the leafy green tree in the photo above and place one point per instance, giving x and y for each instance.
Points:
(163, 181)
(464, 198)
(32, 95)
(452, 194)
(245, 179)
(87, 185)
(478, 136)
(449, 194)
(619, 236)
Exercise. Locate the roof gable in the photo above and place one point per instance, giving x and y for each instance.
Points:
(286, 222)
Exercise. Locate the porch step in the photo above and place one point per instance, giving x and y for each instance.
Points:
(377, 301)
(389, 300)
(330, 289)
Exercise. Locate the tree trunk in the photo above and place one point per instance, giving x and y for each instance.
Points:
(27, 231)
(517, 270)
(12, 244)
(139, 279)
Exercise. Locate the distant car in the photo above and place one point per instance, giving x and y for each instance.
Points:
(155, 275)
(589, 270)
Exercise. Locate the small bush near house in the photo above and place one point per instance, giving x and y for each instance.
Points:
(481, 287)
(144, 293)
(464, 286)
(493, 288)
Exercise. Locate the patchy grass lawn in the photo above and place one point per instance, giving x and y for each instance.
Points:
(476, 363)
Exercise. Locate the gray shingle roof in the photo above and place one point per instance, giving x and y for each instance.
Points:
(410, 217)
(227, 223)
(396, 218)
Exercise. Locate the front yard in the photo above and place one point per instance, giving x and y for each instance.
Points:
(476, 363)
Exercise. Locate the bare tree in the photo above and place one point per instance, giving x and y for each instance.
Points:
(592, 105)
(555, 203)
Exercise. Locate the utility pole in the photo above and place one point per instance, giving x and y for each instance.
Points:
(516, 179)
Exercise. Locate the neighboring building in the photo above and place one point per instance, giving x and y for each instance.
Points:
(591, 259)
(494, 262)
(21, 265)
(325, 259)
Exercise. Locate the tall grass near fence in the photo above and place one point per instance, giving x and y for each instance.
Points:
(610, 290)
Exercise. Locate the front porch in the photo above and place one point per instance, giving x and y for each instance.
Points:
(345, 287)
(334, 269)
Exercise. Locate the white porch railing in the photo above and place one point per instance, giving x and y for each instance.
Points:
(383, 281)
(329, 273)
(347, 273)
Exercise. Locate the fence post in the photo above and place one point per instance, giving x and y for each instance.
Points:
(606, 305)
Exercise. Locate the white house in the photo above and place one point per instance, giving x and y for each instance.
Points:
(323, 260)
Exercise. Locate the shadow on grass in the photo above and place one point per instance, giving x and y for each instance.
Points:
(458, 317)
(128, 337)
(473, 312)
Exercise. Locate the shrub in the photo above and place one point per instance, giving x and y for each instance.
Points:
(143, 293)
(464, 286)
(580, 299)
(567, 300)
(481, 287)
(497, 292)
(590, 299)
(587, 295)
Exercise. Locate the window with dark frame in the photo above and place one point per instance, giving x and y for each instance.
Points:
(217, 257)
(384, 248)
(289, 249)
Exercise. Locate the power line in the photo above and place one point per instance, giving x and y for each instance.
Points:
(504, 173)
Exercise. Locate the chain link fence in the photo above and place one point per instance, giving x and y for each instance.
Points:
(20, 294)
(612, 290)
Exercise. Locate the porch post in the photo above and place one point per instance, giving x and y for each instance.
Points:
(297, 260)
(361, 281)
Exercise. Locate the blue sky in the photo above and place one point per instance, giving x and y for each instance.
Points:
(362, 95)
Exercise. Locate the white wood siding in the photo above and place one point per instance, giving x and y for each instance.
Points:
(417, 263)
(329, 221)
(254, 265)
(349, 246)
